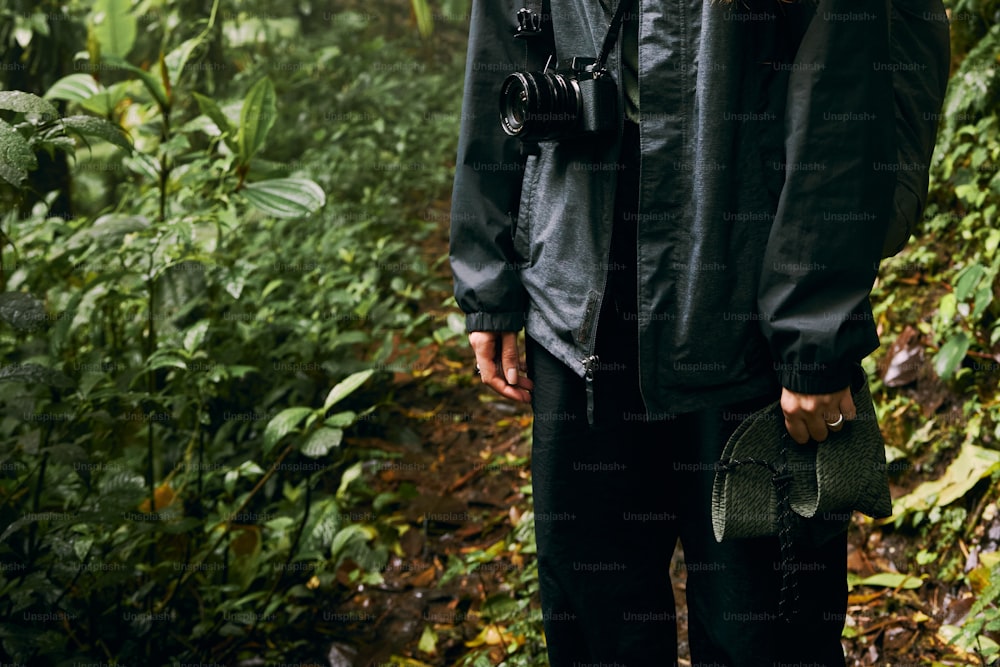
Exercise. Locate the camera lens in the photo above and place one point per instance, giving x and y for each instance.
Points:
(564, 107)
(515, 100)
(538, 106)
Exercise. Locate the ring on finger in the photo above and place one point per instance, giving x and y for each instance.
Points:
(837, 425)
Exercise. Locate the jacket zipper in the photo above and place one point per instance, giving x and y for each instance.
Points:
(588, 376)
(591, 360)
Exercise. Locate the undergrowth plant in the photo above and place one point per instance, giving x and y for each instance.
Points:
(184, 361)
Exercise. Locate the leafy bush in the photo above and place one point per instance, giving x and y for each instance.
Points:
(184, 358)
(945, 285)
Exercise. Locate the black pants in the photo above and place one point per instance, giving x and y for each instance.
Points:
(612, 500)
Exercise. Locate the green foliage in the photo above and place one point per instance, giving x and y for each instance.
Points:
(965, 183)
(185, 361)
(945, 285)
(983, 618)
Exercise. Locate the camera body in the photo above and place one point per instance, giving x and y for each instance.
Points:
(552, 105)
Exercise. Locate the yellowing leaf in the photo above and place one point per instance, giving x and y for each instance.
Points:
(891, 580)
(428, 641)
(491, 635)
(402, 661)
(163, 495)
(972, 464)
(979, 579)
(246, 540)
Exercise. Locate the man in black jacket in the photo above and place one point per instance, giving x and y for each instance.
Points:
(711, 252)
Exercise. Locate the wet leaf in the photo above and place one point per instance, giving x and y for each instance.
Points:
(16, 100)
(92, 126)
(35, 373)
(16, 157)
(22, 311)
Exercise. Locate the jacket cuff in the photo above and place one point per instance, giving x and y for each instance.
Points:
(494, 321)
(815, 378)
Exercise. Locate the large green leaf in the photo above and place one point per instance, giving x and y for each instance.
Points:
(321, 441)
(282, 424)
(16, 158)
(114, 26)
(92, 126)
(260, 109)
(15, 100)
(74, 88)
(951, 354)
(285, 197)
(346, 386)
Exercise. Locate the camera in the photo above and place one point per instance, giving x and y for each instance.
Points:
(555, 104)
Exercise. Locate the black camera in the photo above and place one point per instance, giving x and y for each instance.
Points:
(555, 104)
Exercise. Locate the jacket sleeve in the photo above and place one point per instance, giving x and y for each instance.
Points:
(826, 239)
(921, 55)
(488, 173)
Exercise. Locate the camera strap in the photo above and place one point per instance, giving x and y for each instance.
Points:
(612, 36)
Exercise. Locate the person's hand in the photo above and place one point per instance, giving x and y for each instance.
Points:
(499, 364)
(814, 415)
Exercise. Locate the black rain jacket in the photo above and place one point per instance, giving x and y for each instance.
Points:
(784, 150)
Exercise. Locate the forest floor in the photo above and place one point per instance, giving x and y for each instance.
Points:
(467, 454)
